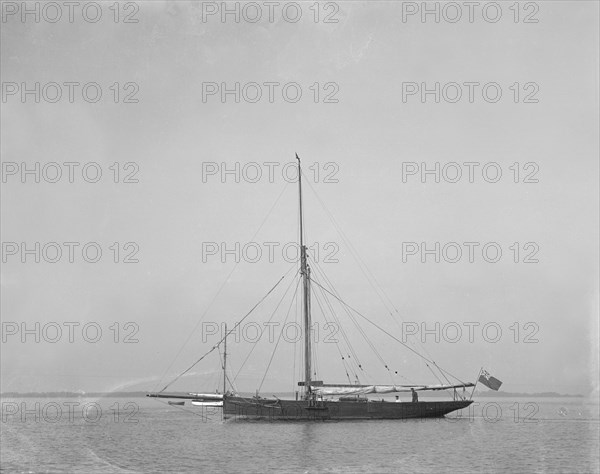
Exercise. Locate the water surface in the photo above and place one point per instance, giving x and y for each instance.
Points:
(147, 435)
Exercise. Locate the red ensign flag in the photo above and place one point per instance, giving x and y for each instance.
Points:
(491, 382)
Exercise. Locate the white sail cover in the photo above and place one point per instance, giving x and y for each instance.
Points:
(207, 396)
(366, 389)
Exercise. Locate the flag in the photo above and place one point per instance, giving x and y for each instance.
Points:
(490, 382)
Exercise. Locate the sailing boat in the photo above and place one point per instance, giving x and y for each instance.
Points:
(324, 401)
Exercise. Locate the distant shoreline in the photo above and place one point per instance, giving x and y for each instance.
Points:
(499, 394)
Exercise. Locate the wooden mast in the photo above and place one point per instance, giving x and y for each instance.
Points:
(225, 362)
(304, 270)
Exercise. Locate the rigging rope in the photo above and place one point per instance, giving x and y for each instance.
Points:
(336, 342)
(343, 332)
(219, 291)
(226, 376)
(389, 334)
(279, 338)
(373, 281)
(360, 329)
(263, 330)
(223, 338)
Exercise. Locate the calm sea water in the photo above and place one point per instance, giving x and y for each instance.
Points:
(146, 435)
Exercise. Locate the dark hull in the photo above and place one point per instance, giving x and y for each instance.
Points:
(273, 409)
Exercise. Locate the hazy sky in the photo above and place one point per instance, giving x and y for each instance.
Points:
(368, 136)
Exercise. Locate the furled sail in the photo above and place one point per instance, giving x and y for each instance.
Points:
(332, 389)
(207, 396)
